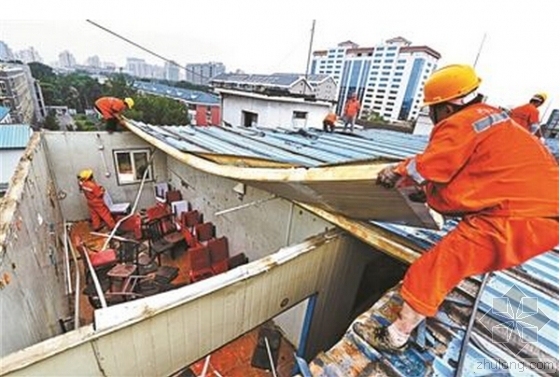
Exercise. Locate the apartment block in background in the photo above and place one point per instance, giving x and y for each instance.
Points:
(388, 78)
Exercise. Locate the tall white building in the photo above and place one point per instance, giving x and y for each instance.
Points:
(388, 78)
(5, 52)
(29, 55)
(201, 73)
(93, 61)
(66, 60)
(171, 71)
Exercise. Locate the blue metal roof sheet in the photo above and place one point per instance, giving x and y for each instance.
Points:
(14, 136)
(306, 148)
(276, 80)
(3, 112)
(537, 278)
(530, 291)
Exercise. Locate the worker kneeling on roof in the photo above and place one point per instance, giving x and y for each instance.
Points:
(111, 109)
(94, 193)
(483, 167)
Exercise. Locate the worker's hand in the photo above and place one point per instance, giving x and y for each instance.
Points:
(388, 177)
(418, 196)
(542, 140)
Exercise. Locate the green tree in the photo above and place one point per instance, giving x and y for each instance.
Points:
(41, 71)
(50, 122)
(158, 110)
(120, 86)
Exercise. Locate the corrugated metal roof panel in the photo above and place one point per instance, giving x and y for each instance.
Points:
(305, 147)
(3, 112)
(14, 136)
(532, 316)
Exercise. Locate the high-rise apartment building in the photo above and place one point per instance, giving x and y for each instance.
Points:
(93, 61)
(387, 78)
(5, 52)
(201, 73)
(171, 71)
(20, 92)
(29, 55)
(66, 60)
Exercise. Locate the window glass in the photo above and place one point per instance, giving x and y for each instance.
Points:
(131, 165)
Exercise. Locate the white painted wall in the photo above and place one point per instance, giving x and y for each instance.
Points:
(9, 159)
(70, 152)
(272, 113)
(33, 297)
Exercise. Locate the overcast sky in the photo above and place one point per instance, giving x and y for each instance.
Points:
(518, 58)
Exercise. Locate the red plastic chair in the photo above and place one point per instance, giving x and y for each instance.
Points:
(204, 232)
(219, 254)
(201, 265)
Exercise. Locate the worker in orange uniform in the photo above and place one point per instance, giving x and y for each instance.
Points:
(93, 192)
(111, 108)
(471, 169)
(528, 115)
(328, 122)
(351, 111)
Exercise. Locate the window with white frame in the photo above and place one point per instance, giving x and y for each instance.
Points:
(130, 165)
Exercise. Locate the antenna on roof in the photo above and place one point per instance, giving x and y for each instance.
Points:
(479, 50)
(310, 48)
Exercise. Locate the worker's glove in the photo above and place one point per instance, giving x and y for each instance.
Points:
(388, 177)
(418, 196)
(543, 140)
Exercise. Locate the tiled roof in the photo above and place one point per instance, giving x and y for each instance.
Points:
(14, 136)
(192, 96)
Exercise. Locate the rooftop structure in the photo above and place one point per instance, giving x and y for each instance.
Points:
(312, 268)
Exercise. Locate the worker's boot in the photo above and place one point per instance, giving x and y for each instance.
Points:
(378, 337)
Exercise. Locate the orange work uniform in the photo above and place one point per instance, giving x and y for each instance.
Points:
(331, 118)
(97, 208)
(110, 107)
(526, 116)
(471, 168)
(352, 108)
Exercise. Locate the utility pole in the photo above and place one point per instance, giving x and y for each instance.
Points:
(310, 48)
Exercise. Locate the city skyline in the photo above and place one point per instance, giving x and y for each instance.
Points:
(514, 61)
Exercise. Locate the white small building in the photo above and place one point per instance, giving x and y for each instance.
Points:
(249, 109)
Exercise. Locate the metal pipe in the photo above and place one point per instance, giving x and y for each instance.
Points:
(67, 262)
(289, 225)
(244, 205)
(269, 353)
(111, 235)
(95, 281)
(466, 337)
(306, 327)
(205, 368)
(77, 287)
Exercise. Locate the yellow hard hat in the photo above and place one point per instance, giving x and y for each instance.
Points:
(450, 82)
(129, 102)
(540, 97)
(85, 174)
